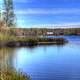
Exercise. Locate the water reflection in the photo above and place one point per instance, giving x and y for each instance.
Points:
(50, 62)
(6, 55)
(55, 62)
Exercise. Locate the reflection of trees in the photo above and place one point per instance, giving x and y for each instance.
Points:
(8, 72)
(6, 55)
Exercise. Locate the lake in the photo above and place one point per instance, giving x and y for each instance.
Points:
(50, 62)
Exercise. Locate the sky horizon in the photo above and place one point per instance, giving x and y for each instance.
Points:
(35, 13)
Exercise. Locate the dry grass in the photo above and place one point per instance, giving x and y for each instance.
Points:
(11, 74)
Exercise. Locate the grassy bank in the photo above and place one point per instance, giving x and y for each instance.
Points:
(6, 37)
(12, 41)
(11, 74)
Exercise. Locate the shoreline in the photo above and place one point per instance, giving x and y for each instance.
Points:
(41, 41)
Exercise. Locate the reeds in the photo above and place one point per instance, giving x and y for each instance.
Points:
(12, 74)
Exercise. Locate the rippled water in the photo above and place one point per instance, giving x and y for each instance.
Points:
(55, 62)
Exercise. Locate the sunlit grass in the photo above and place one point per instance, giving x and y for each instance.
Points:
(11, 74)
(6, 37)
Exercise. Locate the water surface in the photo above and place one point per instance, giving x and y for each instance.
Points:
(55, 62)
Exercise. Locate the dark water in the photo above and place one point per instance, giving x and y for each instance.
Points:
(55, 62)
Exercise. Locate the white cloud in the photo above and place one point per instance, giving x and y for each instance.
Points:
(63, 25)
(21, 21)
(49, 11)
(24, 1)
(58, 25)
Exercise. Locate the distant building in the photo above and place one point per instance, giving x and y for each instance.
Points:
(50, 33)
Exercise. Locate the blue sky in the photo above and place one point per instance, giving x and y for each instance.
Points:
(47, 13)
